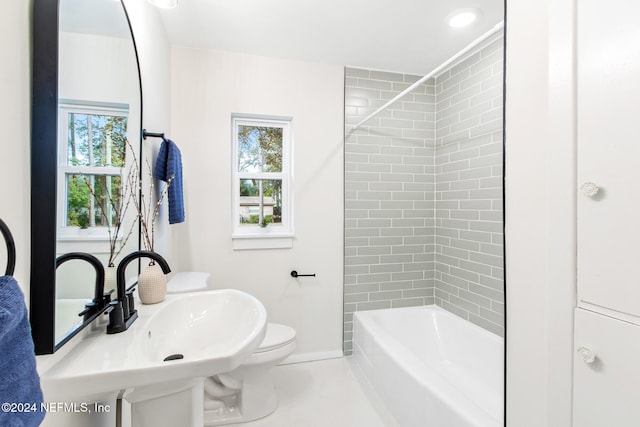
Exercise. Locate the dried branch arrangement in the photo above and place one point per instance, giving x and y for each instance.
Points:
(147, 210)
(120, 206)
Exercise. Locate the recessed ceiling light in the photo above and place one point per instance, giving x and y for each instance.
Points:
(462, 18)
(164, 4)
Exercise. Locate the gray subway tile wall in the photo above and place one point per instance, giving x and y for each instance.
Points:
(468, 175)
(423, 192)
(389, 195)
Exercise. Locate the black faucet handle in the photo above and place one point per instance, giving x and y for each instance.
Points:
(109, 308)
(116, 318)
(131, 301)
(90, 309)
(106, 297)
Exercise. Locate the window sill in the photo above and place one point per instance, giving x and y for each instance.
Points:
(262, 241)
(92, 241)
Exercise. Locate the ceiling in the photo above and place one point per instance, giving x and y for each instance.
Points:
(409, 36)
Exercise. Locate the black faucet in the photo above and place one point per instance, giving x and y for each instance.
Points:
(100, 299)
(121, 311)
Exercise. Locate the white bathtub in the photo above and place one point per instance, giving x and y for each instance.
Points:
(430, 367)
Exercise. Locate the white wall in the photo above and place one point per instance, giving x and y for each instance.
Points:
(15, 114)
(207, 86)
(98, 68)
(540, 211)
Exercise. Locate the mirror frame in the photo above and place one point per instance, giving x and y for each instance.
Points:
(44, 165)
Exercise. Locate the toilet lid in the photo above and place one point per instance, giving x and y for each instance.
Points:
(188, 281)
(277, 336)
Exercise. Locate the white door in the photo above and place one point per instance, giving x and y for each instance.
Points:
(608, 96)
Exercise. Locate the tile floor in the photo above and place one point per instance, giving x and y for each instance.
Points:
(325, 393)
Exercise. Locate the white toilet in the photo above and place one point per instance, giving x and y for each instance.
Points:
(248, 392)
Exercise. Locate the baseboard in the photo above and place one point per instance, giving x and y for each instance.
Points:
(310, 357)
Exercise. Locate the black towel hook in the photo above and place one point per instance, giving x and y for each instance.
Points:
(11, 248)
(146, 134)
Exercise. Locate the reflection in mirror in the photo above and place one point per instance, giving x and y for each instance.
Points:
(70, 300)
(98, 113)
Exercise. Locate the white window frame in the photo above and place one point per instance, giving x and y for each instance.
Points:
(271, 236)
(64, 232)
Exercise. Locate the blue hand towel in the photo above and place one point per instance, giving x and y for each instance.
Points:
(20, 383)
(168, 164)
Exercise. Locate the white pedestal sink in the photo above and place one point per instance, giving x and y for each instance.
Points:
(200, 335)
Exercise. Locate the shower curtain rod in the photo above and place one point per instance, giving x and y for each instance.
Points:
(437, 70)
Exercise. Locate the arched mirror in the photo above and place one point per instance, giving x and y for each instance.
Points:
(86, 122)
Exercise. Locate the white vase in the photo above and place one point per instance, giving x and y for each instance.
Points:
(152, 284)
(110, 280)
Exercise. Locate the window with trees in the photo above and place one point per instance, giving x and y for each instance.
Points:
(92, 151)
(262, 202)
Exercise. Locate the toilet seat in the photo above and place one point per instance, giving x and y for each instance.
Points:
(278, 343)
(277, 336)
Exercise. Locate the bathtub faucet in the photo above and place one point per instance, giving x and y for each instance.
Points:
(122, 312)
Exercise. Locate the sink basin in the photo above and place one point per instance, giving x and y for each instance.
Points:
(207, 332)
(200, 325)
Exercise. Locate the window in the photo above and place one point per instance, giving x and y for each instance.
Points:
(92, 151)
(262, 201)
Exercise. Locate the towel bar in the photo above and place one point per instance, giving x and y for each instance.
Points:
(296, 274)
